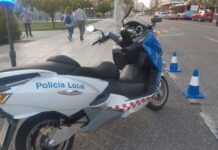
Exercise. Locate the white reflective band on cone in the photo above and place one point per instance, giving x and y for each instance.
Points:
(194, 81)
(174, 60)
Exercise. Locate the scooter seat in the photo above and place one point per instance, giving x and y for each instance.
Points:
(67, 66)
(106, 70)
(60, 64)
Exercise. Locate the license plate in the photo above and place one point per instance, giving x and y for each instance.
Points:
(3, 131)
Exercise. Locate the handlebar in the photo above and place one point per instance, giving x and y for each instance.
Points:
(106, 37)
(117, 39)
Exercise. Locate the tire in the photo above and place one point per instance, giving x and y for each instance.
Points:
(29, 136)
(158, 101)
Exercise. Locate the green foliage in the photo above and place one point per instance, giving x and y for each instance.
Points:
(49, 6)
(45, 26)
(83, 3)
(52, 6)
(103, 7)
(129, 2)
(3, 30)
(27, 3)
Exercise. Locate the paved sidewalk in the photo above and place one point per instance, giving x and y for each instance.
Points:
(49, 43)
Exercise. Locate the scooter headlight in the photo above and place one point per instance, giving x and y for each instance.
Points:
(3, 97)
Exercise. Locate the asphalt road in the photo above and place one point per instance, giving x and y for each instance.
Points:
(196, 44)
(177, 126)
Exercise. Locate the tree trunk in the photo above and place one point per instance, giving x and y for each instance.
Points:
(118, 14)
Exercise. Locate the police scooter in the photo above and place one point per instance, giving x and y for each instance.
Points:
(56, 98)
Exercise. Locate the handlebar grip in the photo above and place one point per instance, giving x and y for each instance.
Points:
(114, 37)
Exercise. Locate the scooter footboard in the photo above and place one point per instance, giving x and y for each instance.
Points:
(116, 106)
(99, 117)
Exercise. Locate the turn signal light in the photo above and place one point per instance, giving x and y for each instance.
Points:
(156, 33)
(3, 98)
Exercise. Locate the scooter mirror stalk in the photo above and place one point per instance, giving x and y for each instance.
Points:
(91, 28)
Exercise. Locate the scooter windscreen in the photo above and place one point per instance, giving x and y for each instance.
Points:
(153, 49)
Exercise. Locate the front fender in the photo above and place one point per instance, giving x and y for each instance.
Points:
(21, 112)
(24, 116)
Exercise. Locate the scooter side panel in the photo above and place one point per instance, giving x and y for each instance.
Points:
(64, 94)
(118, 102)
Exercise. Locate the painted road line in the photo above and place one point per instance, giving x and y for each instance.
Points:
(175, 29)
(211, 39)
(169, 35)
(166, 31)
(210, 123)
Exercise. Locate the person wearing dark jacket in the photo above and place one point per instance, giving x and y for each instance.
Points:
(81, 20)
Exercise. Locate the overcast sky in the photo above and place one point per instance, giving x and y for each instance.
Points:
(146, 2)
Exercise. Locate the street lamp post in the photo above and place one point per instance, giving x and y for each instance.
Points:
(7, 4)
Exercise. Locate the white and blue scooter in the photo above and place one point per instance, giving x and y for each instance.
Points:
(56, 98)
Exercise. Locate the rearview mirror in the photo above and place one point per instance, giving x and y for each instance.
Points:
(90, 28)
(156, 19)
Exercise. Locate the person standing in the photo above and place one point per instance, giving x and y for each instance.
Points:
(69, 21)
(81, 20)
(27, 20)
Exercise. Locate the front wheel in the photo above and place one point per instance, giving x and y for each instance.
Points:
(35, 131)
(160, 96)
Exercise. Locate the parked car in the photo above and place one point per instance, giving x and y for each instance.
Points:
(203, 15)
(161, 14)
(153, 20)
(172, 15)
(184, 15)
(140, 14)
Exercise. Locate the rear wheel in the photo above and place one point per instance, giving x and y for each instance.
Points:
(35, 131)
(160, 96)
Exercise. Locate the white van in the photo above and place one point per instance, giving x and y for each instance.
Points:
(161, 14)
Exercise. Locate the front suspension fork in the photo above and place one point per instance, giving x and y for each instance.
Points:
(10, 130)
